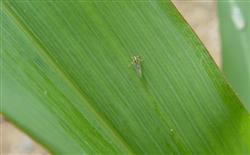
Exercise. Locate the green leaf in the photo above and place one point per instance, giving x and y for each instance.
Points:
(235, 32)
(68, 84)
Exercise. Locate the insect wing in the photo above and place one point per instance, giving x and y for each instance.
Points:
(138, 69)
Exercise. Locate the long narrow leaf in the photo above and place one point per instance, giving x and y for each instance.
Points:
(235, 32)
(67, 80)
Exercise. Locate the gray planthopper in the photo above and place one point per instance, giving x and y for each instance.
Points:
(136, 62)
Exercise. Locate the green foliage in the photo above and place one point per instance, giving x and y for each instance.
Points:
(66, 80)
(235, 32)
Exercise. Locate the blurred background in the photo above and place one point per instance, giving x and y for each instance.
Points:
(200, 14)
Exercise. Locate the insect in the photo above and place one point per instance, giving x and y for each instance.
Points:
(136, 62)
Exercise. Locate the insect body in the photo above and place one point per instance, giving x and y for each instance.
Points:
(136, 62)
